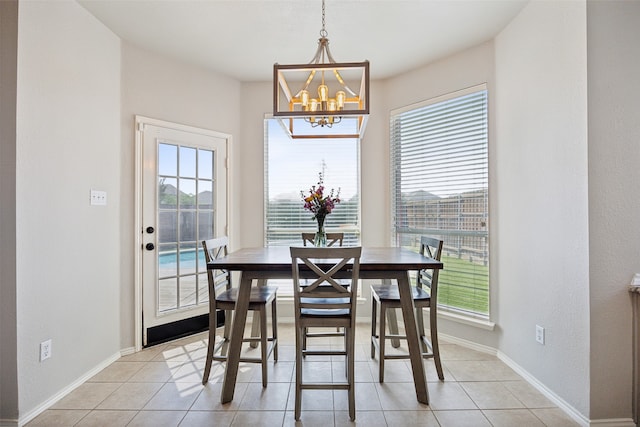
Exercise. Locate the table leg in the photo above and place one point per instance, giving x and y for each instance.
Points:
(413, 340)
(237, 332)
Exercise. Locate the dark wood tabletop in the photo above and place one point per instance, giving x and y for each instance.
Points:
(278, 258)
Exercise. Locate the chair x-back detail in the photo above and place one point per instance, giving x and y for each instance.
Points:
(332, 239)
(222, 296)
(324, 301)
(425, 296)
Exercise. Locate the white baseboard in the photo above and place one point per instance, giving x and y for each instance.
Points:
(24, 419)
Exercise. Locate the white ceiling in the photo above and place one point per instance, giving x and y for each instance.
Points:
(244, 38)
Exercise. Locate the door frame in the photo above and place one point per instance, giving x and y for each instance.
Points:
(140, 122)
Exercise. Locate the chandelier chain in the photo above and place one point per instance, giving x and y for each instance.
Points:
(323, 32)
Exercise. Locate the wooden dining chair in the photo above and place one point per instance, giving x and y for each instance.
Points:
(325, 302)
(222, 296)
(425, 295)
(332, 239)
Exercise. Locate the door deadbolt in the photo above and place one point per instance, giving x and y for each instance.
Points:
(150, 246)
(150, 230)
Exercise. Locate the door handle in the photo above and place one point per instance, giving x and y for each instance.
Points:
(150, 246)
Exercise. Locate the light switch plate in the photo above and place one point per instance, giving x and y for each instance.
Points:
(98, 198)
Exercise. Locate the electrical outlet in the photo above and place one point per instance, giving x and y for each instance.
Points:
(540, 334)
(98, 198)
(45, 350)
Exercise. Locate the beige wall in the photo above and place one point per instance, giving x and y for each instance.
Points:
(552, 188)
(541, 183)
(614, 198)
(160, 88)
(68, 253)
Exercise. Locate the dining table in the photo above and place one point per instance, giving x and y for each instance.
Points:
(274, 262)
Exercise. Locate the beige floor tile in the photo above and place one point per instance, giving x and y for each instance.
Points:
(464, 418)
(483, 370)
(399, 397)
(309, 419)
(192, 372)
(258, 419)
(118, 372)
(145, 355)
(312, 400)
(455, 352)
(366, 398)
(528, 395)
(130, 396)
(363, 418)
(272, 398)
(207, 419)
(449, 396)
(157, 419)
(86, 396)
(395, 371)
(512, 417)
(491, 395)
(554, 417)
(174, 396)
(209, 398)
(107, 419)
(58, 417)
(362, 371)
(156, 372)
(411, 418)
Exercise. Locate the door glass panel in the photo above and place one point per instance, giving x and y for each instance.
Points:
(188, 162)
(185, 218)
(167, 260)
(205, 164)
(167, 154)
(167, 294)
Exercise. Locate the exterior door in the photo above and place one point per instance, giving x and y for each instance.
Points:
(184, 201)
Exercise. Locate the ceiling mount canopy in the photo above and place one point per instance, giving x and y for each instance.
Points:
(324, 98)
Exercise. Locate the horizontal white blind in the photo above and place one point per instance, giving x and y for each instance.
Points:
(291, 167)
(440, 188)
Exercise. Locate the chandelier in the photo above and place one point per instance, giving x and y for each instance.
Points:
(324, 98)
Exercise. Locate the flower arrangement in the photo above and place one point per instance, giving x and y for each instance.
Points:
(320, 206)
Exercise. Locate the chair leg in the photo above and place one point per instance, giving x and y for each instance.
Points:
(298, 397)
(350, 332)
(382, 340)
(264, 342)
(274, 329)
(374, 309)
(420, 322)
(210, 350)
(433, 327)
(228, 320)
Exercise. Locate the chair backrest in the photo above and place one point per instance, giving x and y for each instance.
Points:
(219, 280)
(332, 238)
(428, 278)
(325, 290)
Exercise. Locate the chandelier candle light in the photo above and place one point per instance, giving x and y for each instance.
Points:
(330, 93)
(320, 206)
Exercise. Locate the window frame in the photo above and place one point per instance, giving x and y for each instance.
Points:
(397, 231)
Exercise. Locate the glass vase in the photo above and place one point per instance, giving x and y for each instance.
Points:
(320, 239)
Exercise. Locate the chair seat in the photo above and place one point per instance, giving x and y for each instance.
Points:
(260, 294)
(389, 293)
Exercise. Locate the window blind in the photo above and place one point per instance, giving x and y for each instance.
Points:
(439, 156)
(291, 167)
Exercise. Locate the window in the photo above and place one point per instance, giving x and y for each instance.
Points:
(439, 155)
(292, 166)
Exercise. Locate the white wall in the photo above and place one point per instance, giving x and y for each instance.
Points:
(614, 197)
(68, 142)
(541, 221)
(161, 88)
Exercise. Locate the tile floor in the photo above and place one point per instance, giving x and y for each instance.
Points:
(161, 386)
